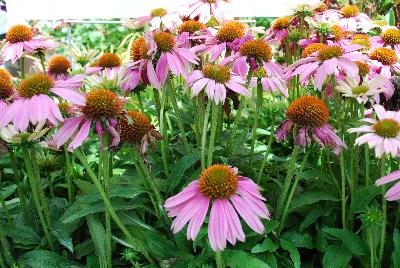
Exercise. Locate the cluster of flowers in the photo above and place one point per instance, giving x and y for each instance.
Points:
(216, 56)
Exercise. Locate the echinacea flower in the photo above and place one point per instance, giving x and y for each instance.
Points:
(170, 54)
(20, 40)
(383, 133)
(10, 135)
(351, 19)
(82, 55)
(389, 38)
(34, 104)
(229, 194)
(256, 55)
(59, 67)
(308, 117)
(279, 29)
(107, 62)
(206, 10)
(220, 42)
(352, 88)
(6, 88)
(159, 17)
(217, 79)
(191, 27)
(393, 193)
(136, 129)
(384, 62)
(328, 60)
(100, 106)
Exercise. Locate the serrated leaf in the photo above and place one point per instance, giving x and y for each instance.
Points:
(22, 234)
(336, 256)
(352, 242)
(293, 252)
(266, 245)
(45, 259)
(179, 169)
(363, 197)
(60, 232)
(313, 215)
(240, 259)
(8, 190)
(123, 191)
(311, 198)
(97, 232)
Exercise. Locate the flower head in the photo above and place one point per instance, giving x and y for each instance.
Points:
(6, 85)
(309, 116)
(191, 26)
(107, 62)
(59, 66)
(230, 196)
(352, 19)
(382, 133)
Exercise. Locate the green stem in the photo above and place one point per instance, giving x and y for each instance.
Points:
(68, 175)
(384, 211)
(288, 180)
(22, 66)
(50, 183)
(267, 151)
(41, 56)
(3, 204)
(235, 123)
(106, 181)
(214, 123)
(35, 195)
(141, 107)
(135, 243)
(21, 194)
(366, 156)
(196, 125)
(179, 120)
(255, 124)
(204, 135)
(4, 245)
(343, 188)
(163, 132)
(157, 100)
(371, 247)
(295, 183)
(218, 259)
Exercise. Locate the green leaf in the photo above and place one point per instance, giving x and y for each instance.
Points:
(85, 186)
(45, 259)
(179, 169)
(97, 234)
(266, 245)
(123, 191)
(60, 232)
(363, 197)
(22, 234)
(313, 215)
(336, 256)
(352, 242)
(271, 260)
(8, 190)
(293, 252)
(311, 198)
(299, 240)
(240, 259)
(396, 249)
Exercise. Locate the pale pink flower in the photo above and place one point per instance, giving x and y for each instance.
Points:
(217, 79)
(158, 17)
(307, 119)
(206, 9)
(108, 63)
(351, 19)
(329, 60)
(229, 194)
(35, 104)
(384, 62)
(279, 29)
(170, 54)
(393, 193)
(100, 106)
(20, 41)
(388, 38)
(383, 133)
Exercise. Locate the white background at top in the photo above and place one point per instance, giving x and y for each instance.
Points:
(94, 9)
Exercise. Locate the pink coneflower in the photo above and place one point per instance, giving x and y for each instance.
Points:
(279, 29)
(206, 10)
(34, 104)
(159, 17)
(328, 60)
(107, 62)
(100, 106)
(170, 54)
(229, 194)
(393, 193)
(383, 134)
(258, 55)
(308, 116)
(351, 19)
(59, 67)
(384, 62)
(217, 79)
(20, 40)
(6, 89)
(219, 43)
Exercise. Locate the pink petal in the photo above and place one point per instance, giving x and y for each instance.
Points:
(81, 135)
(162, 68)
(395, 175)
(248, 215)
